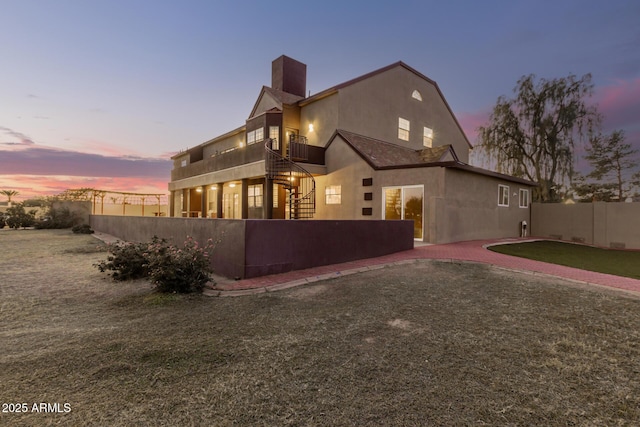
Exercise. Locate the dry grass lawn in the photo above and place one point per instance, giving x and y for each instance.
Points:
(426, 344)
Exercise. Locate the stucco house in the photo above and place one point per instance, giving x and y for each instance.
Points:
(384, 145)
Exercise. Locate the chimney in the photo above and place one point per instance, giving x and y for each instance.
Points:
(289, 75)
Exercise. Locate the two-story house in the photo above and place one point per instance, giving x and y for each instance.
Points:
(384, 145)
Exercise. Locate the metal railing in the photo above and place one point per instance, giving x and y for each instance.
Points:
(296, 179)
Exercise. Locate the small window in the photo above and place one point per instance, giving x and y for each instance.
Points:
(255, 196)
(427, 138)
(367, 211)
(367, 182)
(255, 136)
(503, 195)
(183, 163)
(274, 134)
(416, 95)
(333, 195)
(403, 129)
(523, 199)
(259, 134)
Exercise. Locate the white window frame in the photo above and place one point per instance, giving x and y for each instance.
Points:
(427, 137)
(333, 195)
(404, 129)
(274, 134)
(523, 195)
(503, 190)
(255, 136)
(416, 95)
(254, 196)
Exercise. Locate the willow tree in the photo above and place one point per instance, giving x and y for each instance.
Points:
(534, 135)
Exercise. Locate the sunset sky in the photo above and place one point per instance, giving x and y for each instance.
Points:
(100, 93)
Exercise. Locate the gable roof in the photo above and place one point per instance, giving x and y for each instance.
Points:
(283, 98)
(382, 155)
(335, 89)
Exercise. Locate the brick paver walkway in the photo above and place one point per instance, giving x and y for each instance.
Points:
(471, 251)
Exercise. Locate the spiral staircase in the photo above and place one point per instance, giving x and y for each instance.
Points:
(284, 171)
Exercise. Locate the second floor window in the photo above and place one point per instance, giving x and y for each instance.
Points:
(427, 137)
(255, 136)
(274, 134)
(403, 129)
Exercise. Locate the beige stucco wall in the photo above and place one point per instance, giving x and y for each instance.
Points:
(231, 141)
(457, 205)
(470, 211)
(601, 224)
(372, 107)
(347, 169)
(323, 114)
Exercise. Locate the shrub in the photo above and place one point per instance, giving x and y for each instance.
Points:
(82, 229)
(59, 218)
(181, 270)
(170, 268)
(125, 261)
(17, 217)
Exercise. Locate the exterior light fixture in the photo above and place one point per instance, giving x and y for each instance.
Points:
(310, 127)
(198, 190)
(232, 185)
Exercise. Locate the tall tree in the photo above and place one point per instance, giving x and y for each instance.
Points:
(611, 159)
(533, 135)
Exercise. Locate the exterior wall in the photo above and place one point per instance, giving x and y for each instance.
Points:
(129, 210)
(347, 169)
(470, 211)
(372, 107)
(251, 248)
(432, 180)
(323, 115)
(615, 225)
(232, 141)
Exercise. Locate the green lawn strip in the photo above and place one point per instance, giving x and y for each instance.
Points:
(616, 262)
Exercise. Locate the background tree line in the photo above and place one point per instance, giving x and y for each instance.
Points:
(536, 136)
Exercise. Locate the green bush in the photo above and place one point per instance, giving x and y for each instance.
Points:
(17, 217)
(82, 229)
(125, 261)
(181, 270)
(170, 268)
(59, 218)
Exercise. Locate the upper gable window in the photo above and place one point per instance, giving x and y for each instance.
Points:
(416, 95)
(403, 129)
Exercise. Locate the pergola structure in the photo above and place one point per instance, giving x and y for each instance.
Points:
(96, 196)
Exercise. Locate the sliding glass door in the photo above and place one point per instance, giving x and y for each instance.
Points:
(405, 202)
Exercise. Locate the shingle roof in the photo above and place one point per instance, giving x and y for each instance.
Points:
(384, 155)
(284, 97)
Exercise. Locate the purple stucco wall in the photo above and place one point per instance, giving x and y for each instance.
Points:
(252, 248)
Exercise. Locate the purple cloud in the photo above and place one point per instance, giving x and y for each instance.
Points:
(47, 161)
(24, 139)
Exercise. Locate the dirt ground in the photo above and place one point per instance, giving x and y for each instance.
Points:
(426, 344)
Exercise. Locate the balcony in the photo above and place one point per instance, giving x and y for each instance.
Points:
(238, 157)
(229, 159)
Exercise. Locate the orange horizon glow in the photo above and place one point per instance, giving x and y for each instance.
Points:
(35, 186)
